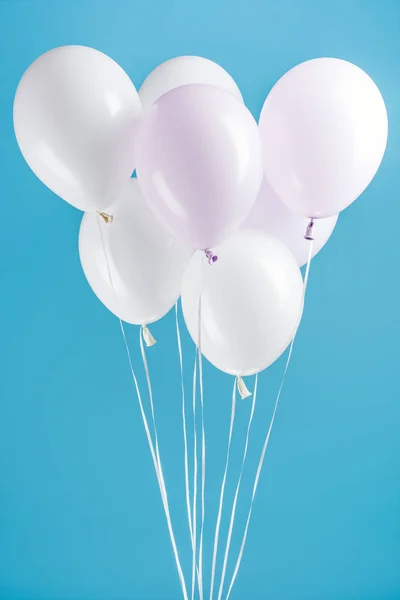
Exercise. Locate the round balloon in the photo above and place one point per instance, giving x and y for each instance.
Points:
(199, 163)
(184, 70)
(271, 215)
(251, 302)
(75, 117)
(324, 128)
(146, 263)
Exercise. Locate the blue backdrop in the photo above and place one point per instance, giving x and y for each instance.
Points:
(80, 514)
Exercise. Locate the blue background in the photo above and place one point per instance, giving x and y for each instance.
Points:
(80, 514)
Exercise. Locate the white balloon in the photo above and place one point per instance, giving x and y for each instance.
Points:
(272, 216)
(184, 70)
(251, 302)
(75, 116)
(324, 128)
(146, 263)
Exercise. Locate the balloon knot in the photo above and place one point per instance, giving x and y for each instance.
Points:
(309, 231)
(106, 218)
(147, 336)
(212, 258)
(242, 389)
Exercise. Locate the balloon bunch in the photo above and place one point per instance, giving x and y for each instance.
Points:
(200, 160)
(220, 206)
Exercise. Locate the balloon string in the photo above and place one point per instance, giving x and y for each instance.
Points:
(203, 438)
(221, 498)
(203, 477)
(185, 442)
(197, 562)
(232, 520)
(150, 390)
(157, 466)
(194, 507)
(260, 464)
(258, 473)
(156, 457)
(307, 273)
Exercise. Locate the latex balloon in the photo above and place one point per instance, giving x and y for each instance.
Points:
(324, 128)
(272, 216)
(146, 262)
(75, 117)
(184, 70)
(251, 302)
(199, 163)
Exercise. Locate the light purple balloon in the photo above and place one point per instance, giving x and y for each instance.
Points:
(199, 163)
(271, 215)
(324, 128)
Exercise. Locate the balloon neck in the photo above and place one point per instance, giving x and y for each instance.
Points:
(147, 336)
(242, 389)
(106, 218)
(309, 234)
(211, 257)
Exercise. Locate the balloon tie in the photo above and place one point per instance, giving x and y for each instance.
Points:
(309, 231)
(212, 258)
(108, 219)
(242, 389)
(147, 336)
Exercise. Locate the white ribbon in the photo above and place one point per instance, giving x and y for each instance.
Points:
(232, 521)
(154, 453)
(197, 563)
(194, 506)
(185, 443)
(221, 497)
(203, 438)
(155, 456)
(260, 464)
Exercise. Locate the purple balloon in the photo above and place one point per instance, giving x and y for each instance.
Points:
(199, 163)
